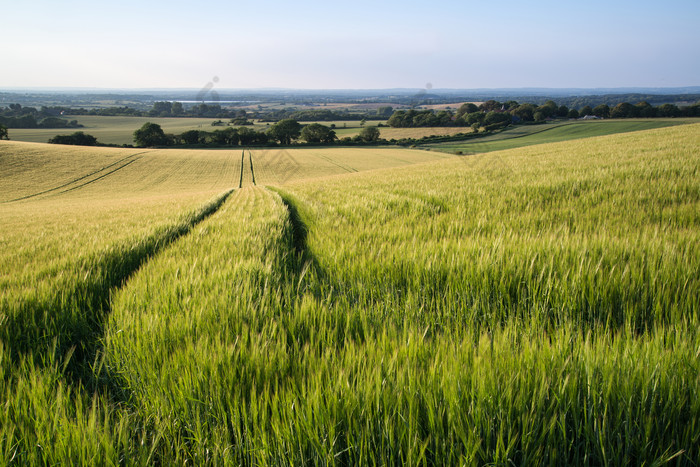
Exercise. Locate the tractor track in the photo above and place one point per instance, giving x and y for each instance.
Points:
(252, 171)
(34, 195)
(347, 169)
(240, 183)
(98, 178)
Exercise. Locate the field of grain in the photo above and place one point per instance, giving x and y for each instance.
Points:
(418, 133)
(528, 135)
(388, 133)
(536, 305)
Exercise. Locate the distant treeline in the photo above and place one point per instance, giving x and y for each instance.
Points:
(578, 102)
(492, 113)
(569, 107)
(323, 115)
(177, 109)
(284, 132)
(15, 116)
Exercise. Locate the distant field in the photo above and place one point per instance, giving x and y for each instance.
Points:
(417, 133)
(117, 130)
(528, 135)
(120, 130)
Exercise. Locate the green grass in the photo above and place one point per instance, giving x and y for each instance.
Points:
(529, 135)
(530, 306)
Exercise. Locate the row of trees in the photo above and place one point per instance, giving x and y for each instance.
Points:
(284, 132)
(177, 109)
(30, 121)
(487, 114)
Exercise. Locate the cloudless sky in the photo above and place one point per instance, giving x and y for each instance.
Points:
(355, 44)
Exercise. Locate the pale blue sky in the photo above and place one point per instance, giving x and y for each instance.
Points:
(358, 44)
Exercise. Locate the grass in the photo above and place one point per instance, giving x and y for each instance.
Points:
(528, 306)
(529, 135)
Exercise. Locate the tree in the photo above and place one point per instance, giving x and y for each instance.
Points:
(549, 109)
(586, 110)
(645, 110)
(623, 110)
(190, 137)
(161, 109)
(475, 118)
(150, 134)
(317, 133)
(246, 136)
(240, 121)
(385, 111)
(602, 111)
(369, 134)
(177, 108)
(78, 139)
(467, 108)
(573, 113)
(229, 136)
(493, 118)
(285, 130)
(668, 110)
(525, 112)
(3, 133)
(490, 105)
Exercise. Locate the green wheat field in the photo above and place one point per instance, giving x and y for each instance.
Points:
(538, 305)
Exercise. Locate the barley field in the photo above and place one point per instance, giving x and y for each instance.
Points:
(536, 305)
(528, 135)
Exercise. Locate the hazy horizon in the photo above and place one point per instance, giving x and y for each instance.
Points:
(366, 46)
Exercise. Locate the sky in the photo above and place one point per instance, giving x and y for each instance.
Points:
(350, 45)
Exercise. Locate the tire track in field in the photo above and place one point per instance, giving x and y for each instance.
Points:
(78, 314)
(250, 180)
(33, 195)
(98, 178)
(348, 169)
(240, 183)
(252, 171)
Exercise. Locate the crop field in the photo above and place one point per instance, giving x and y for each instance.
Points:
(344, 129)
(417, 133)
(529, 135)
(536, 305)
(116, 130)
